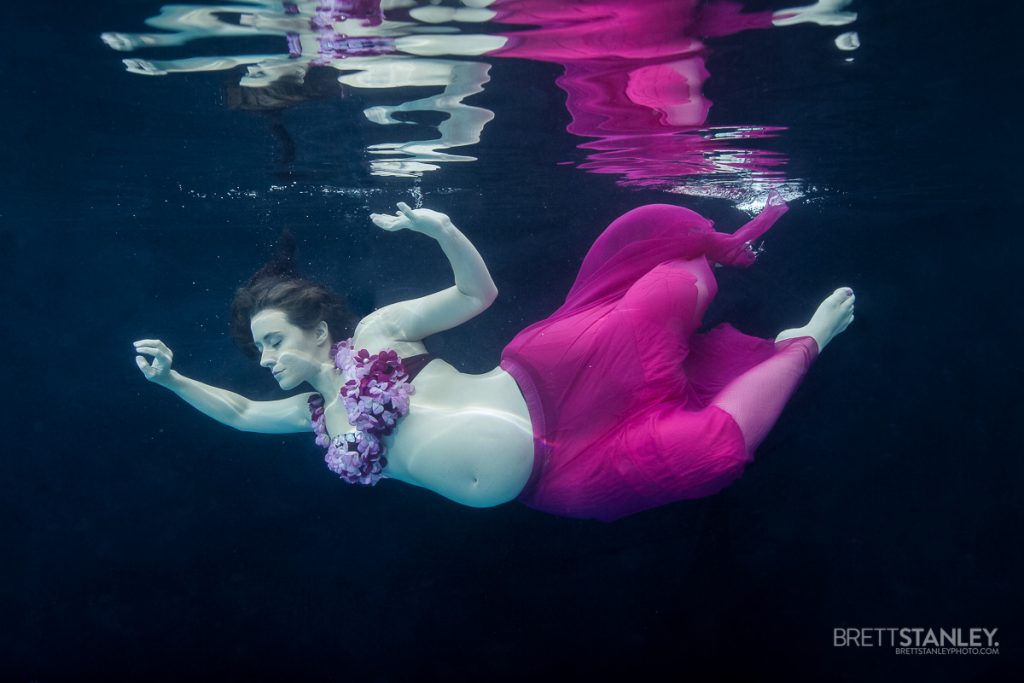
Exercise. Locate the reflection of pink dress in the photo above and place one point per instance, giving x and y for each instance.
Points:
(631, 407)
(634, 78)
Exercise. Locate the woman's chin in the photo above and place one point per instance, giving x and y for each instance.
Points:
(285, 382)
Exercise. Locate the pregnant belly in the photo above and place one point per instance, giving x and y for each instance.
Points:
(476, 456)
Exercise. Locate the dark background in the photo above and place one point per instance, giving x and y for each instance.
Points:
(146, 542)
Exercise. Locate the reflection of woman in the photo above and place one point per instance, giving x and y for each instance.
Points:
(611, 405)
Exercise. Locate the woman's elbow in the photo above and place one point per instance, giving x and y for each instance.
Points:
(488, 297)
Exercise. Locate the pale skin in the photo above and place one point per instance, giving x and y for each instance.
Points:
(466, 437)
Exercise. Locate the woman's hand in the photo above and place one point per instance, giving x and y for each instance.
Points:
(159, 370)
(426, 221)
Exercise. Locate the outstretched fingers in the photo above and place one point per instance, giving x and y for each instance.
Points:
(144, 365)
(152, 347)
(384, 221)
(155, 348)
(157, 369)
(403, 218)
(406, 211)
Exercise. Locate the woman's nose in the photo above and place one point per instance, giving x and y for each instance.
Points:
(266, 360)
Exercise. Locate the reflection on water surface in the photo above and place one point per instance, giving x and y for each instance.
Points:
(633, 74)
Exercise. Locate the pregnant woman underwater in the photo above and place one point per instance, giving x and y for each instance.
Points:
(612, 405)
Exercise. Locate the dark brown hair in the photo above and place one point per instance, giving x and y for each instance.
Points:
(277, 286)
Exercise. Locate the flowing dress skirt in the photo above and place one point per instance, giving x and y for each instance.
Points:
(621, 388)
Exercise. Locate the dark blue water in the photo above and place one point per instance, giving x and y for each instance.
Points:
(146, 542)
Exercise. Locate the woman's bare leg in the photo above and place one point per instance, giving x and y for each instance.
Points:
(756, 398)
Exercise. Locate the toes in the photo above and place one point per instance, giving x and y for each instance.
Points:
(842, 297)
(836, 298)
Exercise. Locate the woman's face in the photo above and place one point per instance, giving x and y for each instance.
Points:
(290, 352)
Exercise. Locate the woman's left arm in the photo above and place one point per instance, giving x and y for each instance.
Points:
(473, 293)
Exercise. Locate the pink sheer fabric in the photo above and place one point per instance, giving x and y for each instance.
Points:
(631, 407)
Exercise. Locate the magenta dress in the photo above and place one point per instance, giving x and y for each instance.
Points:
(631, 407)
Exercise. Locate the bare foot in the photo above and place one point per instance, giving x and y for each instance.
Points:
(832, 317)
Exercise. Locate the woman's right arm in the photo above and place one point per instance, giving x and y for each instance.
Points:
(267, 417)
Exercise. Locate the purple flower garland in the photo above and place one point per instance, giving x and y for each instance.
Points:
(375, 394)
